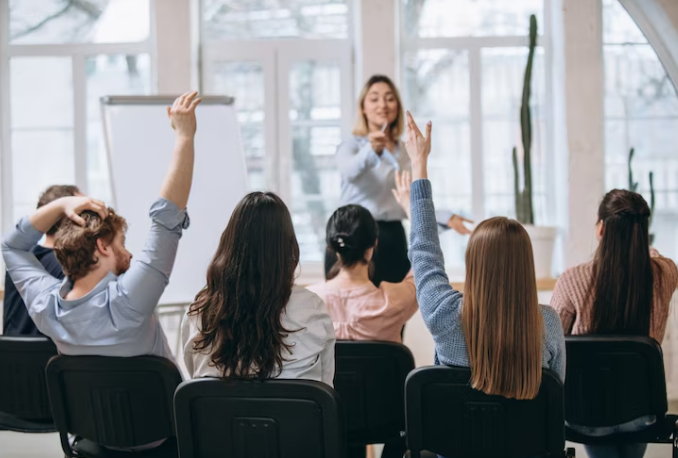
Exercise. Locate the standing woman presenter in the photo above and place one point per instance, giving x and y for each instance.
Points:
(367, 162)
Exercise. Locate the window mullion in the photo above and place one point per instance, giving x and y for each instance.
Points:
(476, 119)
(80, 121)
(284, 136)
(5, 120)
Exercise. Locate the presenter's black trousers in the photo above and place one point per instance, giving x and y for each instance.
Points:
(390, 262)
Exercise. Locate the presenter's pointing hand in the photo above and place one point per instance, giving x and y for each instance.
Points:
(182, 114)
(378, 140)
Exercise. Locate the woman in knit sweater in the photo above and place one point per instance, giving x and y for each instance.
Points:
(626, 289)
(500, 293)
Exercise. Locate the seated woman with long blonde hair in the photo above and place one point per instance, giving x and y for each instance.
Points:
(497, 327)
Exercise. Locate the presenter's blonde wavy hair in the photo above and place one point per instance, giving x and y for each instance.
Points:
(500, 314)
(361, 127)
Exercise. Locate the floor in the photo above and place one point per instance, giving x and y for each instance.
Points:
(17, 445)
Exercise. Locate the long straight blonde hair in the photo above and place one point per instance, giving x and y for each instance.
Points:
(500, 315)
(361, 127)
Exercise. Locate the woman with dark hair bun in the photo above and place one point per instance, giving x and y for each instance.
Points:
(250, 320)
(360, 310)
(626, 289)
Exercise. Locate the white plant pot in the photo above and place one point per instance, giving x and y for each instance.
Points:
(543, 240)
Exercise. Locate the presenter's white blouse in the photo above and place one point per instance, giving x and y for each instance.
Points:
(368, 179)
(311, 355)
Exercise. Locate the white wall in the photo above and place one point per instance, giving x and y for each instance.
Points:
(584, 118)
(376, 46)
(174, 46)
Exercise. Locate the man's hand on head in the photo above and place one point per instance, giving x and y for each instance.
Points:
(74, 206)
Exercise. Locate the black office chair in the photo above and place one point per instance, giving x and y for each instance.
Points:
(24, 403)
(612, 380)
(111, 402)
(274, 418)
(448, 417)
(370, 379)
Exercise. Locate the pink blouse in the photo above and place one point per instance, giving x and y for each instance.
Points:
(366, 312)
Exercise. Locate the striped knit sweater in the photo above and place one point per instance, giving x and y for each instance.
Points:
(441, 305)
(573, 302)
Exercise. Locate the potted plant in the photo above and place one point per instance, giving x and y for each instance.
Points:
(542, 237)
(633, 186)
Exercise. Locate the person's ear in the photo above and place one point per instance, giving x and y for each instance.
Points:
(369, 253)
(104, 248)
(600, 229)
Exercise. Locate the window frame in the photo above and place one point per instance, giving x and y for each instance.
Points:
(277, 56)
(474, 45)
(78, 53)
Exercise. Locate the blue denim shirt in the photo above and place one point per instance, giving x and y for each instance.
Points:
(118, 317)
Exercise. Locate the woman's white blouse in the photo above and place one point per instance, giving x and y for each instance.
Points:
(311, 355)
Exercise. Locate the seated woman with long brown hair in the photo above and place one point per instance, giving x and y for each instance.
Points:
(626, 289)
(250, 320)
(497, 327)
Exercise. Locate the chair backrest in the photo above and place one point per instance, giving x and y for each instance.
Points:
(274, 419)
(611, 380)
(23, 389)
(448, 417)
(370, 379)
(115, 402)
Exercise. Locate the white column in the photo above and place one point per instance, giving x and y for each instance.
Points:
(173, 46)
(376, 45)
(584, 117)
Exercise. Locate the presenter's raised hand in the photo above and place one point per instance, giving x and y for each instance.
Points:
(418, 147)
(182, 114)
(379, 141)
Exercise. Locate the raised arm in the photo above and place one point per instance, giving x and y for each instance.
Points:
(29, 276)
(438, 301)
(177, 184)
(149, 273)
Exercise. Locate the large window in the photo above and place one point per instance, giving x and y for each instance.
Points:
(288, 64)
(641, 112)
(63, 56)
(462, 67)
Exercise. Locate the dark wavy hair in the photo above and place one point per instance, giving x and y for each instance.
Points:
(623, 286)
(351, 230)
(249, 283)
